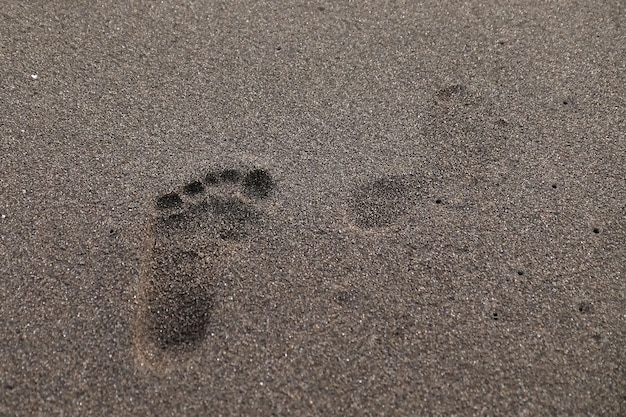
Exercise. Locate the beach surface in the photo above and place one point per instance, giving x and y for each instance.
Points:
(313, 208)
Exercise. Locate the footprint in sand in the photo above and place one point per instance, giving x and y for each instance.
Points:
(383, 201)
(420, 199)
(192, 235)
(462, 152)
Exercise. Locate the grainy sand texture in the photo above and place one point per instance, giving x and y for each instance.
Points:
(353, 208)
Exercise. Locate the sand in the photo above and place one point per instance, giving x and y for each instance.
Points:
(320, 209)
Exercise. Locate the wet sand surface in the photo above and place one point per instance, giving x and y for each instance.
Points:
(322, 209)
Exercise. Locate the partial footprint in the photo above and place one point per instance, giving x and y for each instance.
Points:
(384, 201)
(464, 153)
(418, 199)
(455, 94)
(192, 235)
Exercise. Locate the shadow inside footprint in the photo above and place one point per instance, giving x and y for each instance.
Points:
(455, 94)
(233, 218)
(258, 183)
(381, 202)
(230, 175)
(171, 200)
(180, 300)
(179, 315)
(451, 91)
(231, 209)
(223, 216)
(194, 188)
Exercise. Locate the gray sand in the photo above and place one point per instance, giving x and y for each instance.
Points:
(379, 208)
